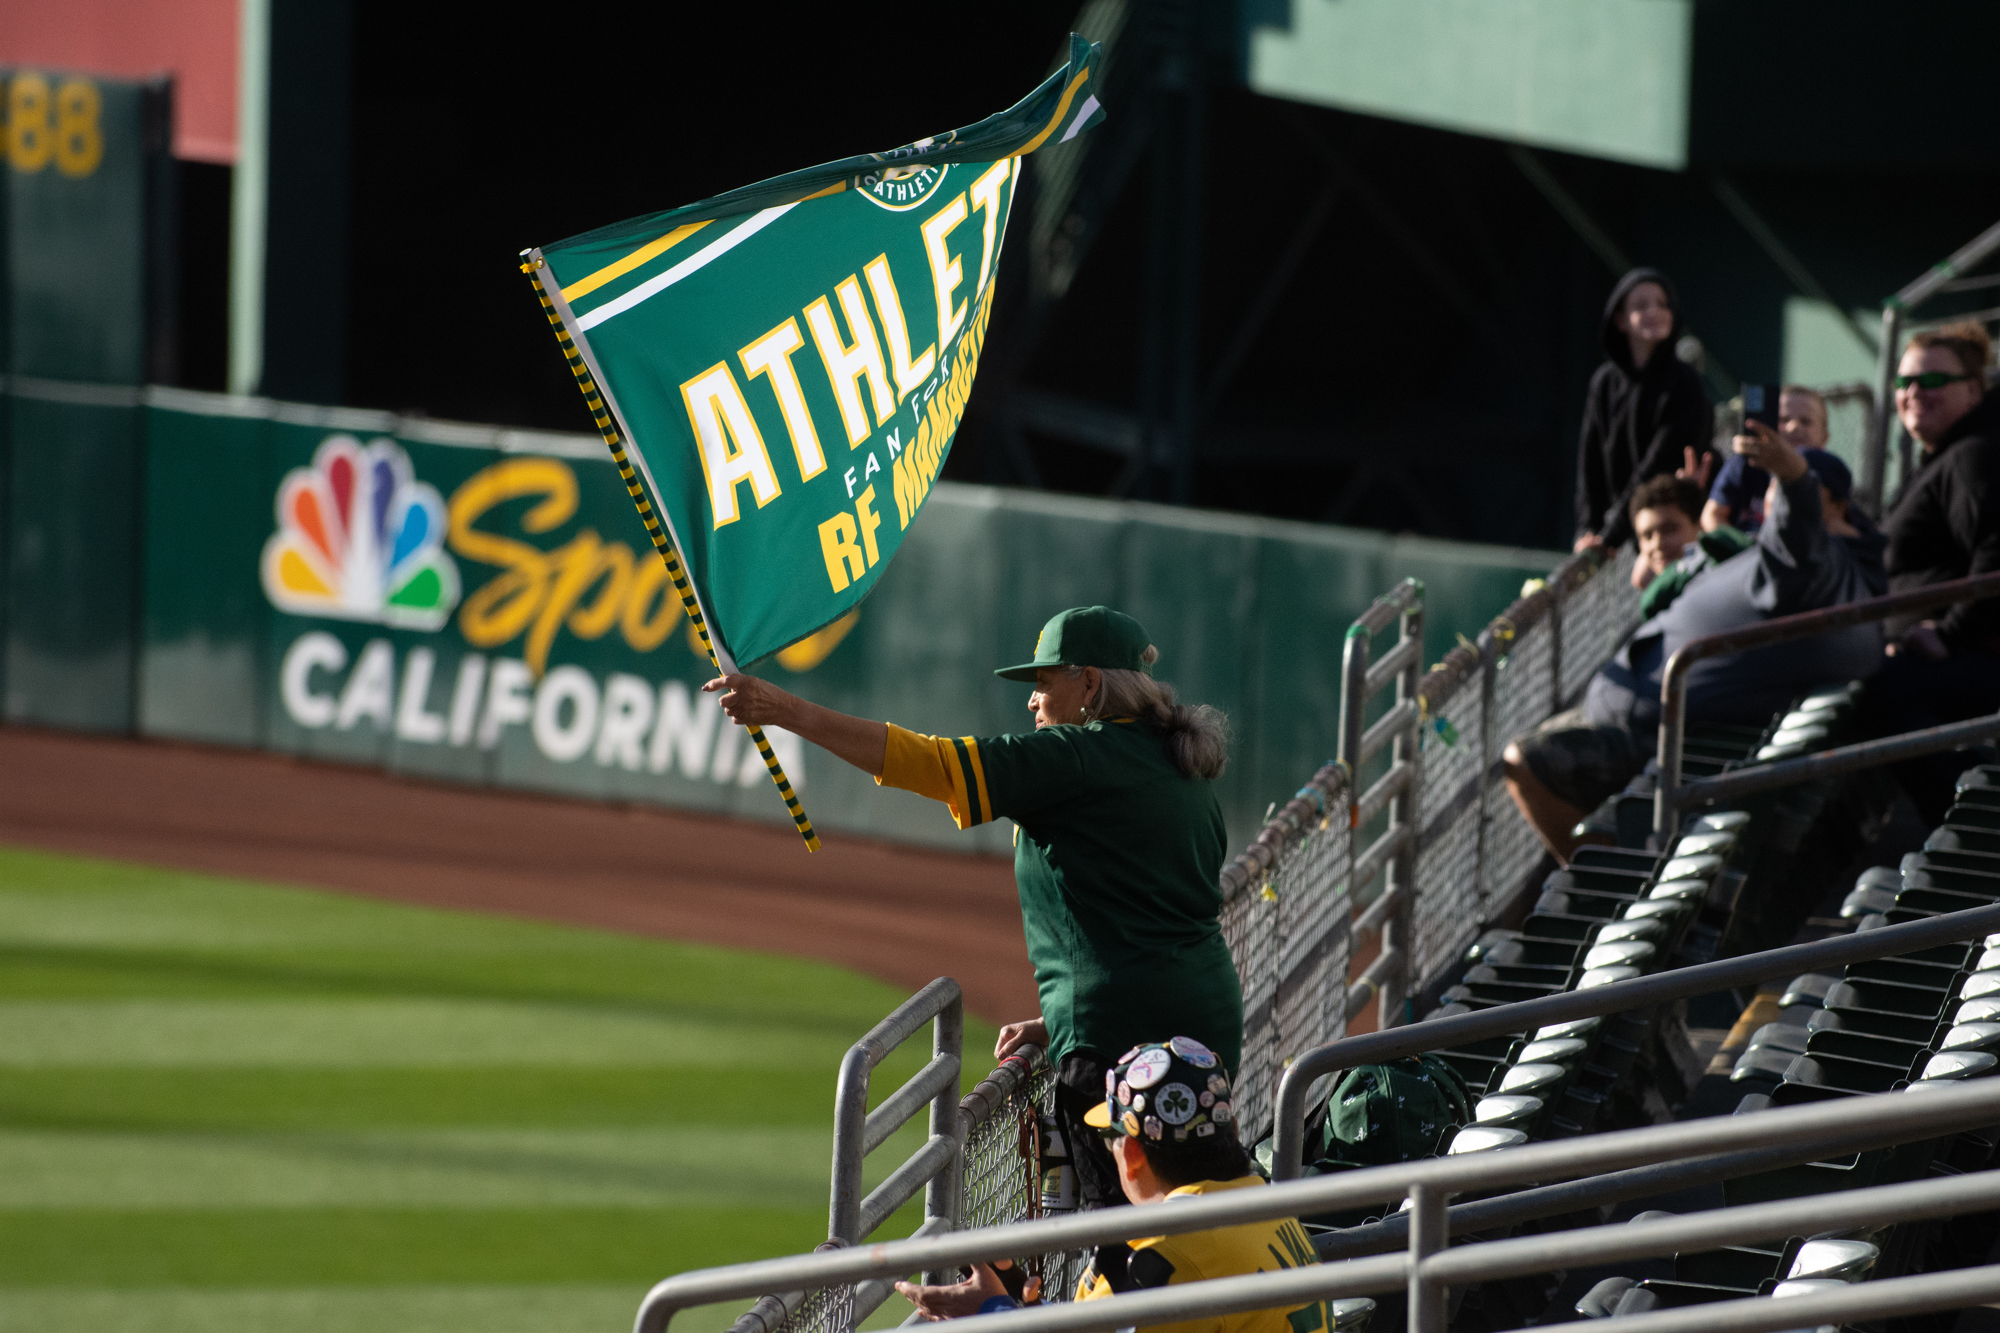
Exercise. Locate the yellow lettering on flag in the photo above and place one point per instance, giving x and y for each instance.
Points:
(838, 544)
(870, 520)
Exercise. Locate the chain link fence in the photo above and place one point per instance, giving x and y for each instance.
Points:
(1285, 914)
(1532, 662)
(1002, 1165)
(1286, 910)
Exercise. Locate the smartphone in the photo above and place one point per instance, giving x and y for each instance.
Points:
(1760, 403)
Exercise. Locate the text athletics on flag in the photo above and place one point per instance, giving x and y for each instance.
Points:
(731, 348)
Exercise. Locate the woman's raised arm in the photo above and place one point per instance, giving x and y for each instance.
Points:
(750, 702)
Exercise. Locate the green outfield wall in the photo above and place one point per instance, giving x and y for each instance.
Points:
(480, 605)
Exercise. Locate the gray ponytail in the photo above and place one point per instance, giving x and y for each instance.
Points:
(1197, 736)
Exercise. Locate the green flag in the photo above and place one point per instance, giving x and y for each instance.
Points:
(789, 361)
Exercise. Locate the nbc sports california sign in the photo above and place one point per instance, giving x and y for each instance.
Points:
(471, 602)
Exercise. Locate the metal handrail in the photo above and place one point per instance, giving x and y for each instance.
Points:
(1833, 763)
(1432, 1273)
(1866, 1302)
(1429, 1182)
(1288, 1140)
(1575, 1196)
(1016, 1072)
(1397, 730)
(1673, 796)
(932, 1167)
(857, 1132)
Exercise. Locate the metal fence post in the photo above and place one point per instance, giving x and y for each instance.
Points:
(1427, 1237)
(1558, 609)
(1875, 449)
(944, 1196)
(850, 1116)
(1673, 735)
(1489, 671)
(1397, 934)
(848, 1210)
(1353, 725)
(1353, 708)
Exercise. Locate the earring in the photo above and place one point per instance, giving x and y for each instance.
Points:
(1083, 714)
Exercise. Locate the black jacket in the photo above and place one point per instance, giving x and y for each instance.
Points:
(1795, 565)
(1946, 525)
(1635, 423)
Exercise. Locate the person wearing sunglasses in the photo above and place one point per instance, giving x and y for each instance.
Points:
(1945, 524)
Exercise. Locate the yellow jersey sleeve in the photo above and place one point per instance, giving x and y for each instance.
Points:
(944, 768)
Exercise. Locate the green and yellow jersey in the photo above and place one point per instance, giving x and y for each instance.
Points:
(1117, 857)
(1254, 1247)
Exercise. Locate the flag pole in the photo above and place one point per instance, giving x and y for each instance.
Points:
(608, 428)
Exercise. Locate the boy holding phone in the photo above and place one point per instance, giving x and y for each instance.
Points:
(1798, 417)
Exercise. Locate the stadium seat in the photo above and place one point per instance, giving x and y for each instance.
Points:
(1843, 1260)
(1352, 1314)
(1976, 1036)
(1808, 991)
(1508, 1111)
(1956, 1065)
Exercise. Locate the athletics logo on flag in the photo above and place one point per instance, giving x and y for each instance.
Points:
(780, 371)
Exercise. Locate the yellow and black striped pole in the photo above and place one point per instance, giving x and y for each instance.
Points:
(655, 529)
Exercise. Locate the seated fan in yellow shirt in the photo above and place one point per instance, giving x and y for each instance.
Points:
(1168, 1114)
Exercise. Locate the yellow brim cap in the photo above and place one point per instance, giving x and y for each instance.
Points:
(1098, 1116)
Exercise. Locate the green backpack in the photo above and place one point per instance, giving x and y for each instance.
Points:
(1378, 1114)
(1396, 1112)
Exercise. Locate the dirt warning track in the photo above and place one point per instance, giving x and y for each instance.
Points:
(895, 913)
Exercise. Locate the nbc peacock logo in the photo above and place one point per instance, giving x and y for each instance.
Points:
(360, 538)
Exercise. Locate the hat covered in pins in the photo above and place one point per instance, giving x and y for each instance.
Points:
(1164, 1093)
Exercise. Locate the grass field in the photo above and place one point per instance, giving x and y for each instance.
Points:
(228, 1106)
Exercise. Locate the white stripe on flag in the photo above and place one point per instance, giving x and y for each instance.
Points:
(714, 250)
(1083, 114)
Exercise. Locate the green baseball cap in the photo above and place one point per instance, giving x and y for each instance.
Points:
(1084, 636)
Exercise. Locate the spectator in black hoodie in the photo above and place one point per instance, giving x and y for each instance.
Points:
(1646, 413)
(1944, 525)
